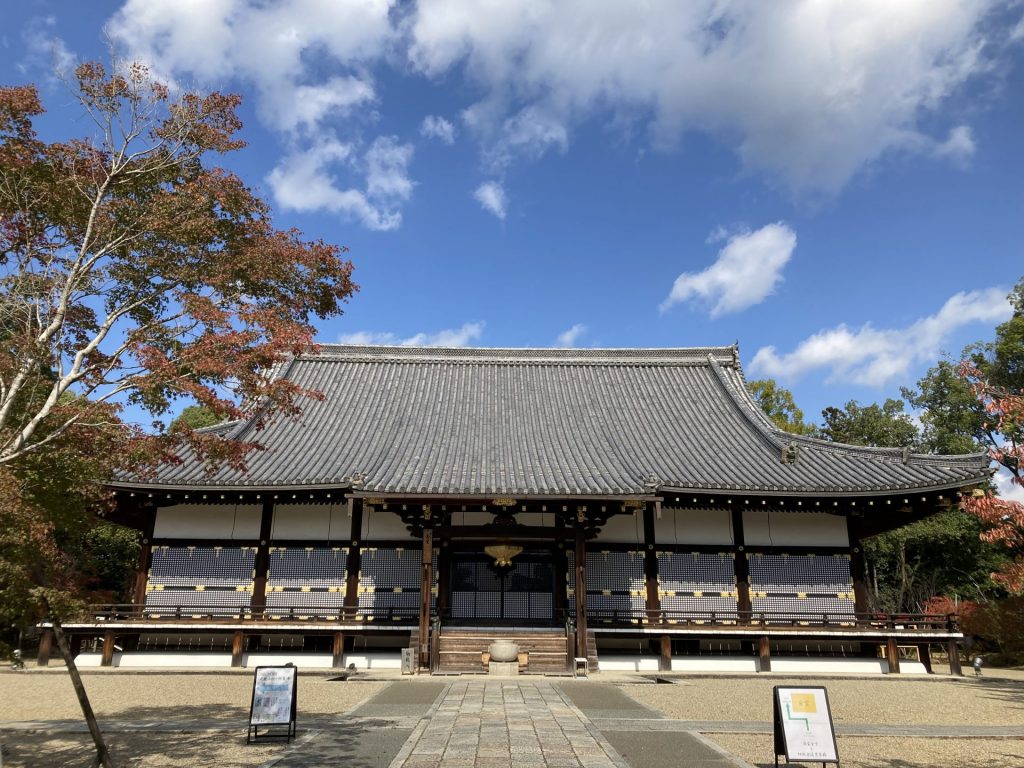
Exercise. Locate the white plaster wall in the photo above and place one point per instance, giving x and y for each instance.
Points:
(798, 529)
(313, 522)
(714, 664)
(538, 519)
(300, 660)
(143, 659)
(471, 518)
(208, 521)
(380, 660)
(835, 666)
(693, 526)
(628, 663)
(623, 529)
(382, 525)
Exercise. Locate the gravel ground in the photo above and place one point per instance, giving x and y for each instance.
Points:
(137, 750)
(889, 752)
(164, 697)
(878, 700)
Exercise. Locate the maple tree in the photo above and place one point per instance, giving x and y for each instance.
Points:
(1003, 518)
(135, 273)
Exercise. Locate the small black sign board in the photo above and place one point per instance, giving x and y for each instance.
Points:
(803, 725)
(273, 705)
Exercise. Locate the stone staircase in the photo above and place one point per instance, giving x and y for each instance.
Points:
(460, 648)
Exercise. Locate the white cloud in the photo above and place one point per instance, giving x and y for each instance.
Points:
(491, 196)
(568, 338)
(309, 63)
(807, 91)
(959, 145)
(1006, 488)
(450, 337)
(872, 356)
(748, 268)
(436, 127)
(46, 51)
(305, 181)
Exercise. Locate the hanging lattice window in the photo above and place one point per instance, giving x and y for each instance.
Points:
(693, 585)
(306, 582)
(389, 583)
(787, 586)
(616, 587)
(200, 580)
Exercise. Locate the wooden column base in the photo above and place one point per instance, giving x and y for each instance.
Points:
(338, 650)
(237, 648)
(107, 658)
(892, 655)
(953, 648)
(764, 651)
(45, 647)
(665, 659)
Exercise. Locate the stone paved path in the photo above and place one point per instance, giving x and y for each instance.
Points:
(514, 724)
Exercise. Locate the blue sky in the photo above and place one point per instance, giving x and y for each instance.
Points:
(834, 185)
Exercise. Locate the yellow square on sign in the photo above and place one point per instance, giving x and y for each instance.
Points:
(804, 702)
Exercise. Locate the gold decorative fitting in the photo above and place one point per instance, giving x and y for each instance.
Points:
(503, 553)
(503, 502)
(581, 516)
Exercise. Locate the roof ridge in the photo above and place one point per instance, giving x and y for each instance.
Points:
(589, 355)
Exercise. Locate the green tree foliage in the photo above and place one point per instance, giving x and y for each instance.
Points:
(953, 420)
(779, 406)
(195, 417)
(942, 554)
(886, 425)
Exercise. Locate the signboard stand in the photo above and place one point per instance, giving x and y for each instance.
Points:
(273, 705)
(803, 725)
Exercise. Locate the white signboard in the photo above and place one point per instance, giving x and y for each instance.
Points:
(273, 694)
(803, 722)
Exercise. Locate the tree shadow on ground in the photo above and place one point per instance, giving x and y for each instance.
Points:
(1006, 692)
(136, 750)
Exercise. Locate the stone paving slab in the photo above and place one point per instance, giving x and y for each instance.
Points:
(506, 724)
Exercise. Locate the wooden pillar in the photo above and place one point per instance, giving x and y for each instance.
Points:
(107, 657)
(953, 648)
(262, 564)
(858, 571)
(924, 651)
(665, 659)
(338, 650)
(75, 642)
(764, 650)
(426, 581)
(45, 647)
(237, 648)
(354, 561)
(741, 567)
(561, 572)
(144, 560)
(444, 567)
(653, 602)
(581, 592)
(892, 655)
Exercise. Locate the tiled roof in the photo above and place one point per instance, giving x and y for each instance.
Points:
(535, 422)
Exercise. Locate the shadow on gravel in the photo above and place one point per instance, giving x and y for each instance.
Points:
(133, 750)
(1007, 692)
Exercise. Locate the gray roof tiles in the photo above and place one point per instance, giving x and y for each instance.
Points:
(541, 422)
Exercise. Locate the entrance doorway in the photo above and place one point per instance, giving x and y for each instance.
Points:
(521, 591)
